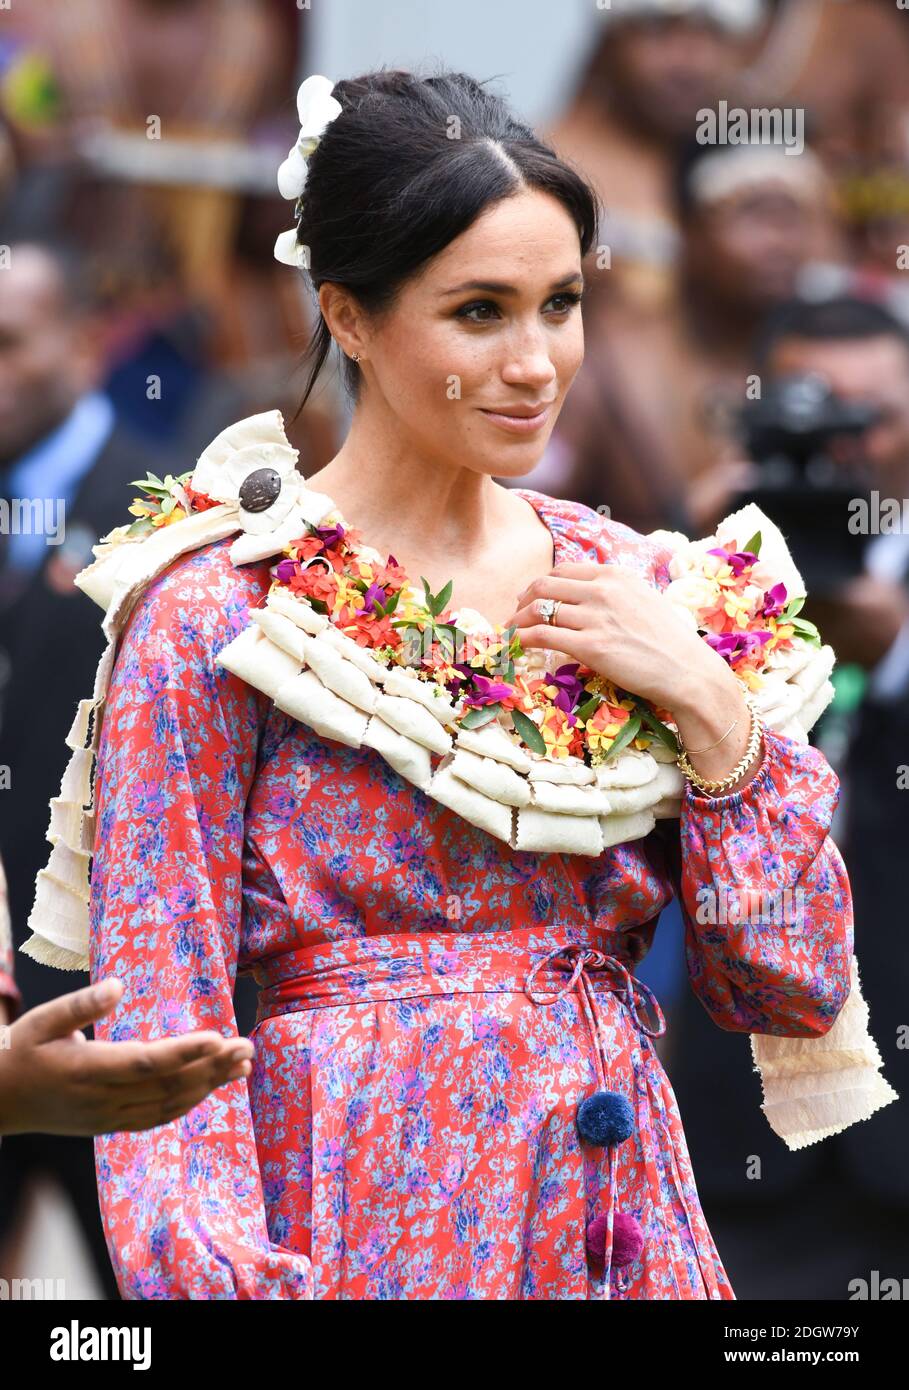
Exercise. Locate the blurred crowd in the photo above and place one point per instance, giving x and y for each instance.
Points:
(747, 338)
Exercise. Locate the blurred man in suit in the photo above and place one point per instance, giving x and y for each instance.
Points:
(65, 469)
(831, 1212)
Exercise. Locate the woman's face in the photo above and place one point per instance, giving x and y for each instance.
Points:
(491, 324)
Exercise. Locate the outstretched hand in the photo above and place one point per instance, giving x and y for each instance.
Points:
(53, 1080)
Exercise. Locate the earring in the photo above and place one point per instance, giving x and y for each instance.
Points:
(355, 357)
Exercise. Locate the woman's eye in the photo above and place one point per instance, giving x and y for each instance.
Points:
(468, 309)
(563, 304)
(566, 301)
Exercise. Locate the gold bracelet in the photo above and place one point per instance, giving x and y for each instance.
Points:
(711, 745)
(754, 740)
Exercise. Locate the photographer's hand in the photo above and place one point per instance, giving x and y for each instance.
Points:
(709, 496)
(861, 619)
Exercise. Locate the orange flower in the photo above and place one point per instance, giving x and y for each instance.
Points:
(316, 582)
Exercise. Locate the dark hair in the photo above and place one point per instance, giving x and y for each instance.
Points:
(388, 187)
(841, 317)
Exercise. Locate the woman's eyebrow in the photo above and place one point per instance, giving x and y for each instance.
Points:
(499, 287)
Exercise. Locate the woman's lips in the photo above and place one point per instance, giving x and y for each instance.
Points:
(519, 424)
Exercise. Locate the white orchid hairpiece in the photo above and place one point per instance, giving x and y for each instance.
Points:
(316, 108)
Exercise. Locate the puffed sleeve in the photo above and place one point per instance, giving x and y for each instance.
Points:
(182, 1204)
(765, 897)
(764, 892)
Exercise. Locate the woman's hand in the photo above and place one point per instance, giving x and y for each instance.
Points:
(621, 627)
(617, 624)
(53, 1080)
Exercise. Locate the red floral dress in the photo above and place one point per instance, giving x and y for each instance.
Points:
(9, 991)
(411, 1128)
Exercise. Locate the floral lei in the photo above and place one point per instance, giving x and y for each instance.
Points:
(570, 712)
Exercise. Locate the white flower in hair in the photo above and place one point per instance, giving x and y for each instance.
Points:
(316, 108)
(288, 251)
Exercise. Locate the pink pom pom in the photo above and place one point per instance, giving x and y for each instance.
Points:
(627, 1239)
(596, 1237)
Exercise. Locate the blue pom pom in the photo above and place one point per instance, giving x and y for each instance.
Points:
(604, 1118)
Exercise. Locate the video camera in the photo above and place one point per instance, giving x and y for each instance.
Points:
(791, 432)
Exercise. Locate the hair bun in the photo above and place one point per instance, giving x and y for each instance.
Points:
(384, 82)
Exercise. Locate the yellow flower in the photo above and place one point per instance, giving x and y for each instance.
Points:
(487, 659)
(601, 738)
(557, 733)
(443, 674)
(556, 744)
(347, 592)
(165, 518)
(738, 608)
(781, 633)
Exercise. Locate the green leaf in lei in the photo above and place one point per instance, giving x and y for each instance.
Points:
(754, 545)
(589, 707)
(479, 715)
(436, 602)
(659, 729)
(156, 488)
(158, 492)
(807, 631)
(148, 484)
(528, 731)
(629, 730)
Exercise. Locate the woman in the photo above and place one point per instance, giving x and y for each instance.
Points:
(425, 1137)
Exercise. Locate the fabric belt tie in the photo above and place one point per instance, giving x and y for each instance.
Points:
(410, 965)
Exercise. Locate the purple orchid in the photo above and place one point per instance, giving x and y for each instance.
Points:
(330, 535)
(738, 559)
(455, 685)
(488, 691)
(774, 601)
(286, 570)
(732, 646)
(374, 596)
(569, 688)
